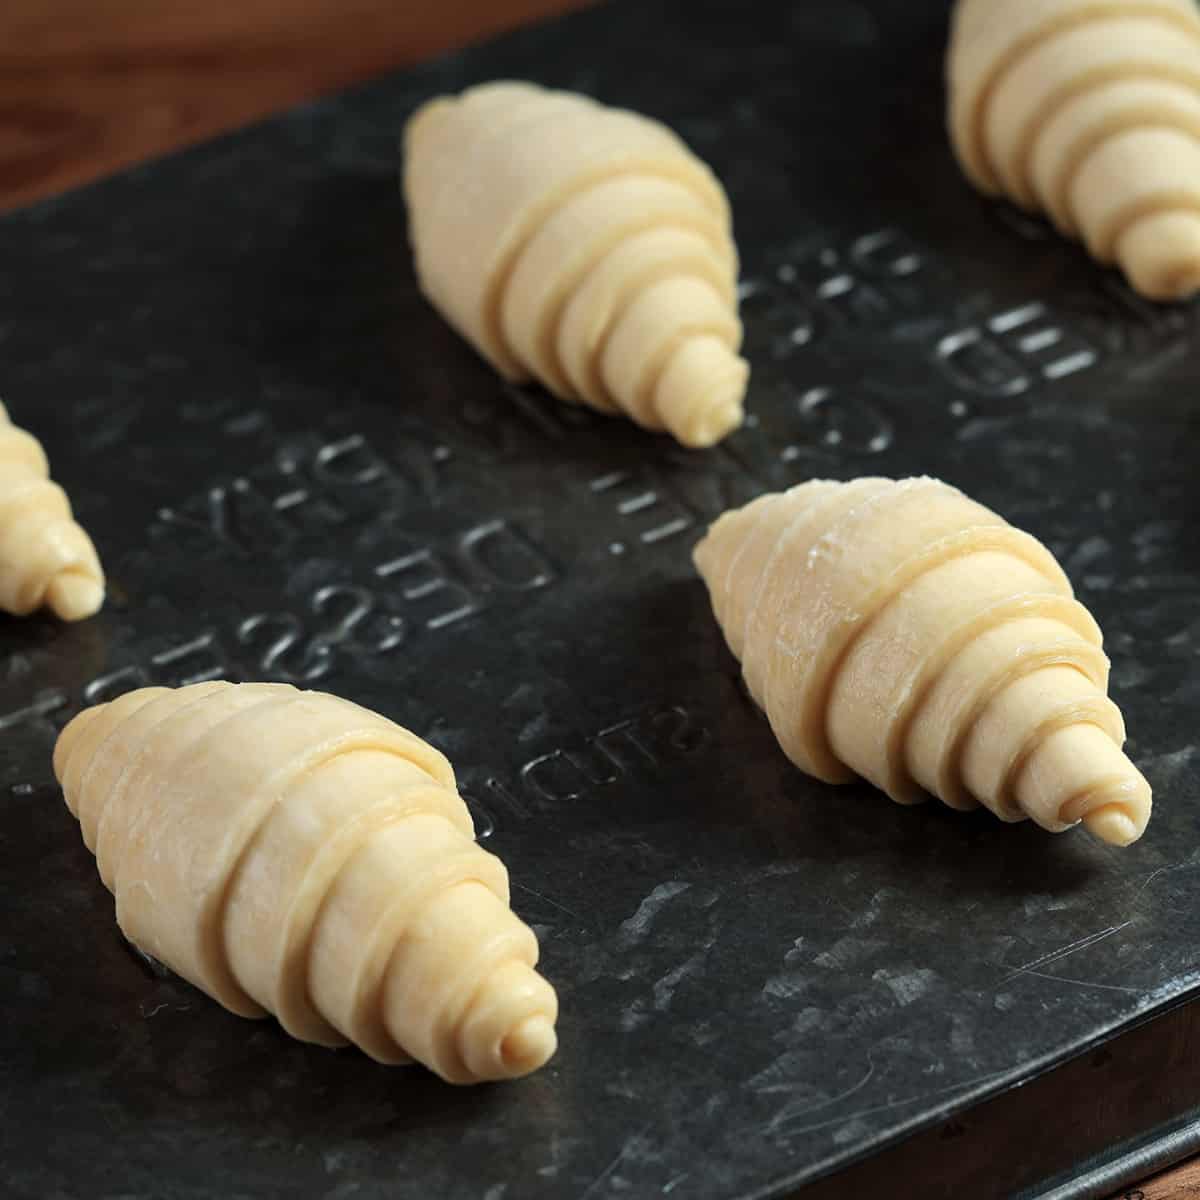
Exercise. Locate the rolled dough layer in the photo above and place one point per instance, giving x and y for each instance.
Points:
(898, 631)
(582, 246)
(292, 853)
(45, 556)
(1089, 111)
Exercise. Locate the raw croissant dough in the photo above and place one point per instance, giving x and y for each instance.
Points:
(583, 246)
(900, 631)
(1089, 111)
(293, 853)
(45, 557)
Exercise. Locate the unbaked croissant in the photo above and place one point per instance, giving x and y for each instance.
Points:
(582, 246)
(292, 853)
(1090, 112)
(903, 633)
(45, 556)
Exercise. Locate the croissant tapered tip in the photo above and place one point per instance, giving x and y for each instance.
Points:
(49, 559)
(1112, 824)
(508, 1029)
(718, 417)
(715, 545)
(1079, 773)
(530, 1045)
(1118, 810)
(699, 398)
(72, 596)
(1161, 255)
(427, 117)
(69, 736)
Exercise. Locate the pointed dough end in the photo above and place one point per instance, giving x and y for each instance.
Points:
(528, 1046)
(1112, 824)
(69, 737)
(73, 596)
(699, 398)
(1161, 254)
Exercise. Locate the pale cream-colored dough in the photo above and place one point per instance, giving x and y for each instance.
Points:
(293, 853)
(1088, 110)
(45, 556)
(582, 246)
(898, 631)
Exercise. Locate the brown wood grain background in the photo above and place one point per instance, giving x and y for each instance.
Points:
(89, 86)
(1182, 1183)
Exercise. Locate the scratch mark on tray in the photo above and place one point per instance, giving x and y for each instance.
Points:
(553, 903)
(1030, 968)
(612, 1166)
(878, 1108)
(1108, 987)
(785, 1117)
(1161, 871)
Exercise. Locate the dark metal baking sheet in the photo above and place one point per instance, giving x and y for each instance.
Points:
(295, 470)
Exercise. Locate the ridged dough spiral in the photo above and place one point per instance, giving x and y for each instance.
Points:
(291, 853)
(582, 246)
(899, 631)
(45, 556)
(1088, 110)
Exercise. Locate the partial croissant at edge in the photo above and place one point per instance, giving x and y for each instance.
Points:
(45, 556)
(901, 632)
(291, 853)
(1088, 111)
(582, 246)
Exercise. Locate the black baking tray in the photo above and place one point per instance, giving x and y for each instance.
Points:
(296, 471)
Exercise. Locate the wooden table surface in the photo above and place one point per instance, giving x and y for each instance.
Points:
(1183, 1183)
(89, 86)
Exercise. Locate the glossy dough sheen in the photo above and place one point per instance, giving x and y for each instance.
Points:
(1088, 110)
(45, 557)
(582, 246)
(902, 632)
(290, 852)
